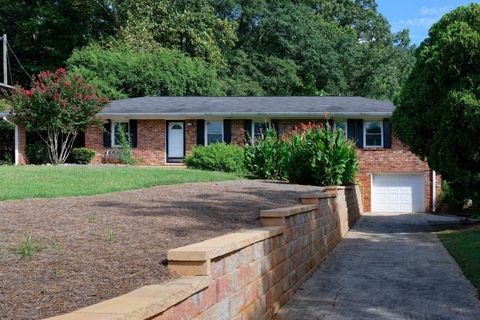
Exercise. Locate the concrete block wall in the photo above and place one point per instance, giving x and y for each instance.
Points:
(249, 274)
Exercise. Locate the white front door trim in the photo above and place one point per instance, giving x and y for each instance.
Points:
(175, 141)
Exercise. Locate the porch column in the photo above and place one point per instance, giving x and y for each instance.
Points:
(20, 142)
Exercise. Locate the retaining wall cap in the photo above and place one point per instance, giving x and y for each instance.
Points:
(220, 246)
(288, 211)
(319, 195)
(142, 303)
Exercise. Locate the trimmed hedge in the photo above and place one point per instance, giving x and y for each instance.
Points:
(217, 157)
(82, 155)
(37, 153)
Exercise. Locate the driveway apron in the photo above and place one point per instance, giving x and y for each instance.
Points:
(389, 266)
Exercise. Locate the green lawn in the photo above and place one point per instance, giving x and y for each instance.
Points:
(464, 246)
(48, 181)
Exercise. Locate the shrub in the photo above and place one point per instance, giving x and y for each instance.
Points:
(126, 153)
(264, 158)
(82, 155)
(313, 155)
(37, 153)
(217, 157)
(319, 155)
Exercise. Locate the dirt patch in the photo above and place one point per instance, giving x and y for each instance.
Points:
(88, 249)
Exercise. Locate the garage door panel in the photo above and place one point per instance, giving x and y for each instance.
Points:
(398, 193)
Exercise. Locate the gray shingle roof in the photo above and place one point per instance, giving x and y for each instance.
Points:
(150, 107)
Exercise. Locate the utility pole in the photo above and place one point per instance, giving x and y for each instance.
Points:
(5, 77)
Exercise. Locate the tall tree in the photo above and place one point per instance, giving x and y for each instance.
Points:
(438, 113)
(43, 33)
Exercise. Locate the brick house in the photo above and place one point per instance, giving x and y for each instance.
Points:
(164, 129)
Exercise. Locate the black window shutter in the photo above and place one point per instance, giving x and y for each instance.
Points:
(201, 132)
(359, 133)
(276, 127)
(107, 134)
(247, 126)
(355, 131)
(351, 129)
(133, 133)
(227, 131)
(387, 134)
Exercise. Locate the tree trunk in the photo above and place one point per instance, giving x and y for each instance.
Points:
(59, 145)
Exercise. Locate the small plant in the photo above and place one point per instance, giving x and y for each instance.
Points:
(110, 236)
(217, 157)
(126, 154)
(82, 155)
(7, 160)
(55, 246)
(26, 247)
(37, 153)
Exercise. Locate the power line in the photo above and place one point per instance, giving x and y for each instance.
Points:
(9, 67)
(18, 60)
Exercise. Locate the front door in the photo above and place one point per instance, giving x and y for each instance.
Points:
(175, 141)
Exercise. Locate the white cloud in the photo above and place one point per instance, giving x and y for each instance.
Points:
(418, 22)
(434, 11)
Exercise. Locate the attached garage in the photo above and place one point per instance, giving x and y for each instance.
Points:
(398, 193)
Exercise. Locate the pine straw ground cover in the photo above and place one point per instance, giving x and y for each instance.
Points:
(57, 255)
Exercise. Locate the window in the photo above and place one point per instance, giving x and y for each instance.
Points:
(259, 128)
(213, 132)
(341, 125)
(373, 134)
(115, 132)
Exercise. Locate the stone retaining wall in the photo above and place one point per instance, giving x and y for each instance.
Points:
(249, 274)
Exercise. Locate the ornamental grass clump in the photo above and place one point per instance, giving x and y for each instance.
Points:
(311, 154)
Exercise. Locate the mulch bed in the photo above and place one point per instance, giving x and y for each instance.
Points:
(89, 249)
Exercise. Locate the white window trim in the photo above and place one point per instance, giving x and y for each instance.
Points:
(346, 126)
(112, 131)
(252, 131)
(365, 125)
(206, 131)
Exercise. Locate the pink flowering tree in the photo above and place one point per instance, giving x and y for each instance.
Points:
(57, 107)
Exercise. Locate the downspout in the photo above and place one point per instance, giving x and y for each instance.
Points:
(17, 136)
(434, 191)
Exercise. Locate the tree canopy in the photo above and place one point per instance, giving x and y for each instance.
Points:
(276, 47)
(438, 113)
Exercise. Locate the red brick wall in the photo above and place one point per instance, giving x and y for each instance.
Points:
(151, 151)
(238, 136)
(150, 142)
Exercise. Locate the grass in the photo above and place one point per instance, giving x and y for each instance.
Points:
(464, 246)
(49, 181)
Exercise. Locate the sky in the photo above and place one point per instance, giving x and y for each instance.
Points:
(417, 15)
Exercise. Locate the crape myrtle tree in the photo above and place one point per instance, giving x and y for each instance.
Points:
(57, 108)
(438, 110)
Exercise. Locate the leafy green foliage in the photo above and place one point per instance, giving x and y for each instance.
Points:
(126, 153)
(57, 108)
(265, 158)
(217, 157)
(7, 141)
(37, 153)
(247, 47)
(82, 155)
(313, 155)
(44, 33)
(438, 113)
(121, 72)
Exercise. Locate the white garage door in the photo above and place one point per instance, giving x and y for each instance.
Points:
(398, 193)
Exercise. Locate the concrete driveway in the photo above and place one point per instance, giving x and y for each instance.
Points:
(390, 266)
